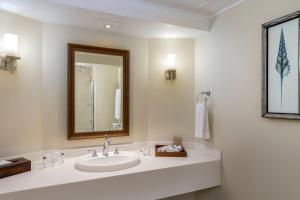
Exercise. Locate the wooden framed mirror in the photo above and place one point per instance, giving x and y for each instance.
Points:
(98, 92)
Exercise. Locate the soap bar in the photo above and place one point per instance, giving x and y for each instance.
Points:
(4, 162)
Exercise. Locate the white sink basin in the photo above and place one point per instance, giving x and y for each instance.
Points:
(107, 164)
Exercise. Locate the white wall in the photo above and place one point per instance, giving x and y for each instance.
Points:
(171, 104)
(208, 194)
(260, 156)
(20, 93)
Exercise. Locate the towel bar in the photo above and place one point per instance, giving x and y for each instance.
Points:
(206, 93)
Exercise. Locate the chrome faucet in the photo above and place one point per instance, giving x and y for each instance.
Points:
(106, 145)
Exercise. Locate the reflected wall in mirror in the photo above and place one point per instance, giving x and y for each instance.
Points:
(98, 92)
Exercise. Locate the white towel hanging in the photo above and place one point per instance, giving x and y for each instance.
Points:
(202, 123)
(118, 104)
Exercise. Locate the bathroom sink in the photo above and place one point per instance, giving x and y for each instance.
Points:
(108, 163)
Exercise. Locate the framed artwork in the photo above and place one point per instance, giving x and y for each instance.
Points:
(280, 68)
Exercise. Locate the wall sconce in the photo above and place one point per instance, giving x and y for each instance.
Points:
(8, 61)
(170, 73)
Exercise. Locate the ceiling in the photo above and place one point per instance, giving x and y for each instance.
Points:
(143, 18)
(205, 7)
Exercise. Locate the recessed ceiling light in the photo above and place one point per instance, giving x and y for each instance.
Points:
(108, 26)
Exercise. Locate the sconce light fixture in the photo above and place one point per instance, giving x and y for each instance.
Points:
(170, 73)
(8, 61)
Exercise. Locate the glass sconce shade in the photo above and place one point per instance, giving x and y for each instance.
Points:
(171, 60)
(10, 42)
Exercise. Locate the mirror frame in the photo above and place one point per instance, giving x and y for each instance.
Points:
(72, 48)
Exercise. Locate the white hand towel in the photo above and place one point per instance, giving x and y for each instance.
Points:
(118, 104)
(4, 162)
(201, 123)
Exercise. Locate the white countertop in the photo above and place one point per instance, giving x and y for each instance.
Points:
(66, 173)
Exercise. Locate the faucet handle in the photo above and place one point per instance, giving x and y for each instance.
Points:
(94, 154)
(117, 151)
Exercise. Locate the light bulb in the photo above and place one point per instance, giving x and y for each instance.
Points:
(108, 26)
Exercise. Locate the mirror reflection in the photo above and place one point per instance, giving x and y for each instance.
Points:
(98, 92)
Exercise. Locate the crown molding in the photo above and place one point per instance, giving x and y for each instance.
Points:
(176, 10)
(227, 8)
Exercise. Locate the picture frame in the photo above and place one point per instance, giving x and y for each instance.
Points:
(280, 67)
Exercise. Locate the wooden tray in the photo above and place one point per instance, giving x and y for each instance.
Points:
(18, 165)
(183, 153)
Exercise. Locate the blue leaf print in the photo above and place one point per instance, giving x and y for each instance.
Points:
(283, 64)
